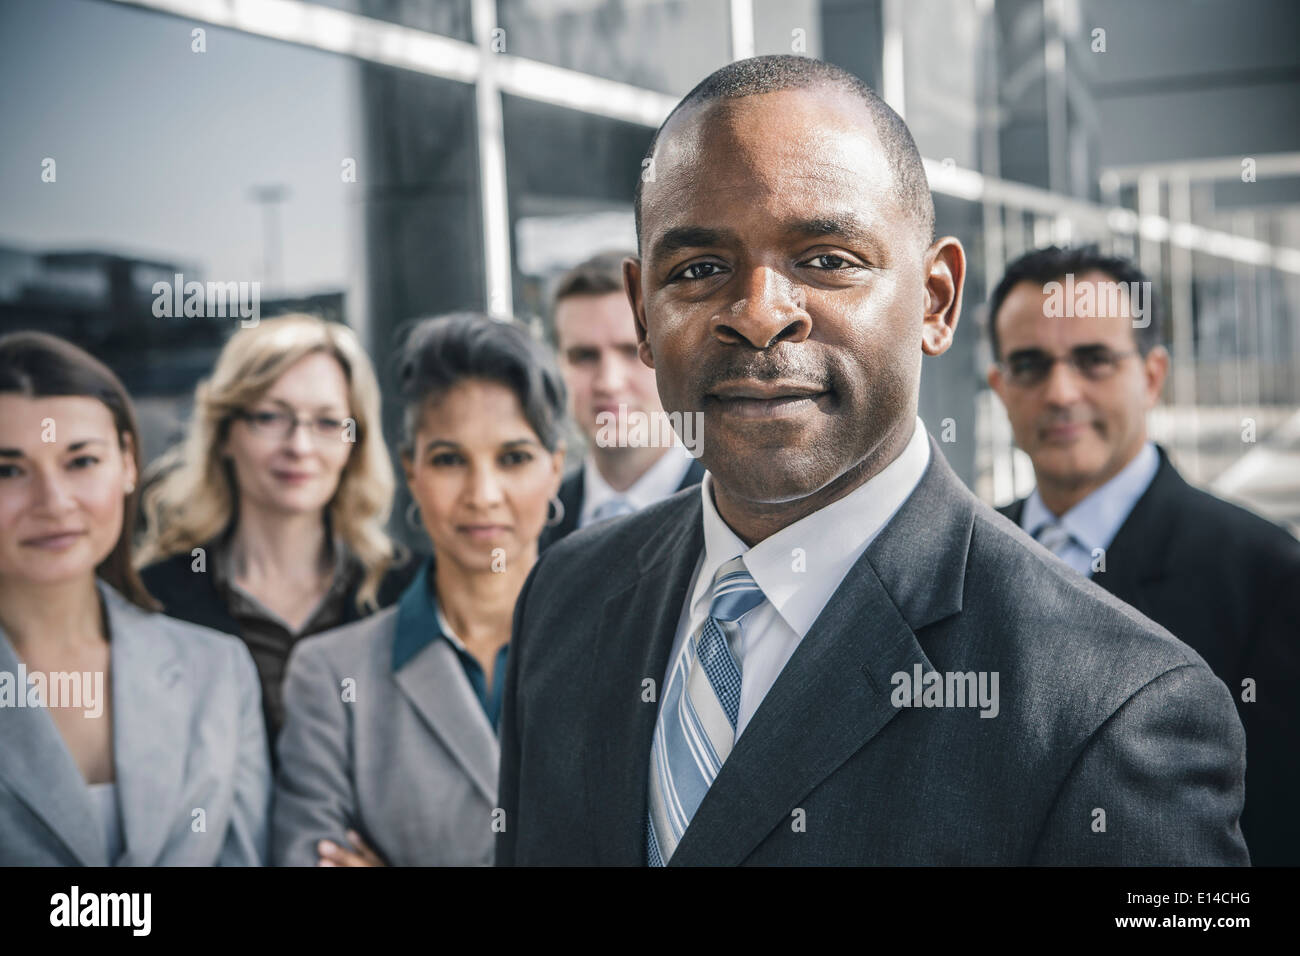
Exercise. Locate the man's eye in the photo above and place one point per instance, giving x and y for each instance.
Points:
(686, 273)
(10, 471)
(831, 262)
(1026, 365)
(1092, 360)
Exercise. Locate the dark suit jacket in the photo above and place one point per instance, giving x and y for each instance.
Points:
(571, 492)
(1101, 711)
(1226, 582)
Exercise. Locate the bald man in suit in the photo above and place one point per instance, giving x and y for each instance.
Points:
(831, 652)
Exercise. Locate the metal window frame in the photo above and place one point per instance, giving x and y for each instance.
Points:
(378, 41)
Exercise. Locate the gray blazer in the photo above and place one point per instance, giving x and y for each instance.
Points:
(1101, 711)
(187, 736)
(409, 760)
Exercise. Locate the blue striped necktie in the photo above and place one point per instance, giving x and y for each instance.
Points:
(696, 726)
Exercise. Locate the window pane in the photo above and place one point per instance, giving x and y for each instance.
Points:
(451, 18)
(664, 45)
(788, 26)
(571, 181)
(326, 184)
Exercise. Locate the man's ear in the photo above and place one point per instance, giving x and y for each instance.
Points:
(1156, 368)
(945, 273)
(632, 286)
(996, 382)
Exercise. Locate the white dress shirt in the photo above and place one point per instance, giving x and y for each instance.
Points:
(660, 480)
(1094, 521)
(799, 568)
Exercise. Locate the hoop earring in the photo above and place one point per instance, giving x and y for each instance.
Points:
(559, 512)
(413, 516)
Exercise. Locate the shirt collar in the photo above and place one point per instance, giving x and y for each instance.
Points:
(802, 565)
(418, 618)
(1096, 519)
(660, 480)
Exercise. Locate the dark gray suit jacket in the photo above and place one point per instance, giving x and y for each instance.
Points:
(1104, 718)
(1227, 583)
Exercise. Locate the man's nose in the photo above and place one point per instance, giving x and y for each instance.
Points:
(609, 374)
(1062, 387)
(772, 309)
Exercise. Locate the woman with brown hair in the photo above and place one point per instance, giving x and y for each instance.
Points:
(268, 521)
(121, 730)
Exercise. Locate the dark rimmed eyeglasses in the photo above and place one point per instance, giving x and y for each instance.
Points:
(280, 424)
(1029, 367)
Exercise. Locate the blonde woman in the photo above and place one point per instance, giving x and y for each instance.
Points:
(268, 522)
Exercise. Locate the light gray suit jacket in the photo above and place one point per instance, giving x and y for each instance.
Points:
(187, 736)
(409, 760)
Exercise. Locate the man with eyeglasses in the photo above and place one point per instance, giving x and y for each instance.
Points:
(1077, 373)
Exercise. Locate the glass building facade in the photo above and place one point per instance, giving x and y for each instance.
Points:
(375, 161)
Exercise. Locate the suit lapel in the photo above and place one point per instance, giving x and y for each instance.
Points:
(1138, 554)
(636, 632)
(36, 765)
(434, 683)
(152, 709)
(835, 689)
(1014, 511)
(571, 494)
(694, 475)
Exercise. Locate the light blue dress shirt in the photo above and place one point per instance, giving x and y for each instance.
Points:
(1094, 521)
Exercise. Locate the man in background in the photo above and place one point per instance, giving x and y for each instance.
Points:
(596, 339)
(1076, 342)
